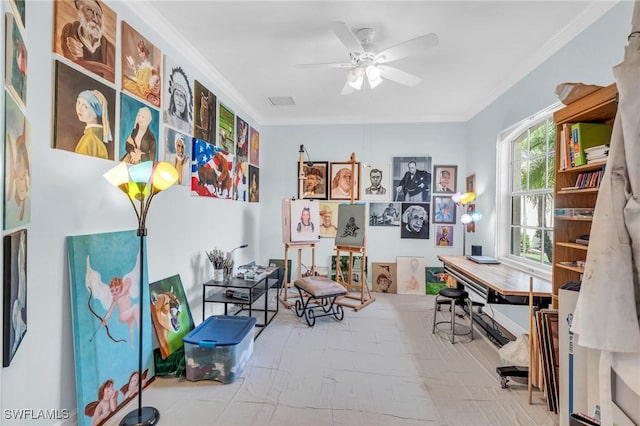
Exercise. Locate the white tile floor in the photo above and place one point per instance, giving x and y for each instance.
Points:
(379, 366)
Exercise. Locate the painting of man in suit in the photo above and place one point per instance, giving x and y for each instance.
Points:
(412, 179)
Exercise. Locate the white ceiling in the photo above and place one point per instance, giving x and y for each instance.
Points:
(250, 47)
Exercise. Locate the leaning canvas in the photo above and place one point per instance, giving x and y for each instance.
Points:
(384, 277)
(411, 275)
(170, 314)
(14, 294)
(351, 225)
(104, 275)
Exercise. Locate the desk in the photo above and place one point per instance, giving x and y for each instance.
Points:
(255, 289)
(497, 284)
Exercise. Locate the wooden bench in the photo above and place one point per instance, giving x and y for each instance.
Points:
(321, 293)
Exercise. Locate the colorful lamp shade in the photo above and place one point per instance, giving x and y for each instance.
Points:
(164, 175)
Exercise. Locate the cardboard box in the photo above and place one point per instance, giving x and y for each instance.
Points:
(219, 348)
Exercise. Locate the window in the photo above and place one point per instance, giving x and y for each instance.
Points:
(526, 176)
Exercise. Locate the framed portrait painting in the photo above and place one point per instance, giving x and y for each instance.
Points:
(412, 179)
(444, 236)
(314, 185)
(444, 179)
(15, 293)
(444, 209)
(376, 182)
(342, 183)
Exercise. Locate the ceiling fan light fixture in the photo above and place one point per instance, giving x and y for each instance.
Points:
(357, 84)
(354, 74)
(373, 73)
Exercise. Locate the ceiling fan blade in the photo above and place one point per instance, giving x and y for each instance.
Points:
(399, 76)
(414, 46)
(347, 37)
(347, 89)
(325, 65)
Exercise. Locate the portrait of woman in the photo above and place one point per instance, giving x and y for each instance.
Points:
(84, 112)
(139, 129)
(141, 75)
(91, 109)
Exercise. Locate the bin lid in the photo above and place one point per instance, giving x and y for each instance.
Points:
(223, 330)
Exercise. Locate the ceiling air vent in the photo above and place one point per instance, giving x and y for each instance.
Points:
(281, 100)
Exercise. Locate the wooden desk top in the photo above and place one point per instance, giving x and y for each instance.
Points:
(501, 278)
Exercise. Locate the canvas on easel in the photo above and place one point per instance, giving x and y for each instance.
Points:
(351, 225)
(300, 221)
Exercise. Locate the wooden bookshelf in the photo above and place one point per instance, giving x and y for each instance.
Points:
(598, 107)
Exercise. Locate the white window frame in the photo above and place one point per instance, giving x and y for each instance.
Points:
(503, 190)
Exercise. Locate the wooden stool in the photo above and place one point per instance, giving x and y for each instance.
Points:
(322, 293)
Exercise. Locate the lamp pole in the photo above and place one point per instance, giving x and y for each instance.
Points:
(141, 183)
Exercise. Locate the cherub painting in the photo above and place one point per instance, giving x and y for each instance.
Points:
(120, 294)
(105, 300)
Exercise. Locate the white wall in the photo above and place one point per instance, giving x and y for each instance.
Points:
(70, 197)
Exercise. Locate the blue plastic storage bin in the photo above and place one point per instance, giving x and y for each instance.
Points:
(219, 348)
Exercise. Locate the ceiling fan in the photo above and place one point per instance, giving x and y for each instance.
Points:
(366, 63)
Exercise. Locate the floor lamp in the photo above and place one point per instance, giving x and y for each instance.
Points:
(462, 200)
(141, 183)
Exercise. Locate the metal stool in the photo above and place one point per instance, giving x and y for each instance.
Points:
(453, 296)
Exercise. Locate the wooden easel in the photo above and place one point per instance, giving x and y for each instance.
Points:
(365, 298)
(284, 296)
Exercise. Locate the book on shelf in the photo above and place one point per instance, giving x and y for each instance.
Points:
(566, 153)
(588, 135)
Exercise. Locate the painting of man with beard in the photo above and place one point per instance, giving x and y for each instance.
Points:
(85, 34)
